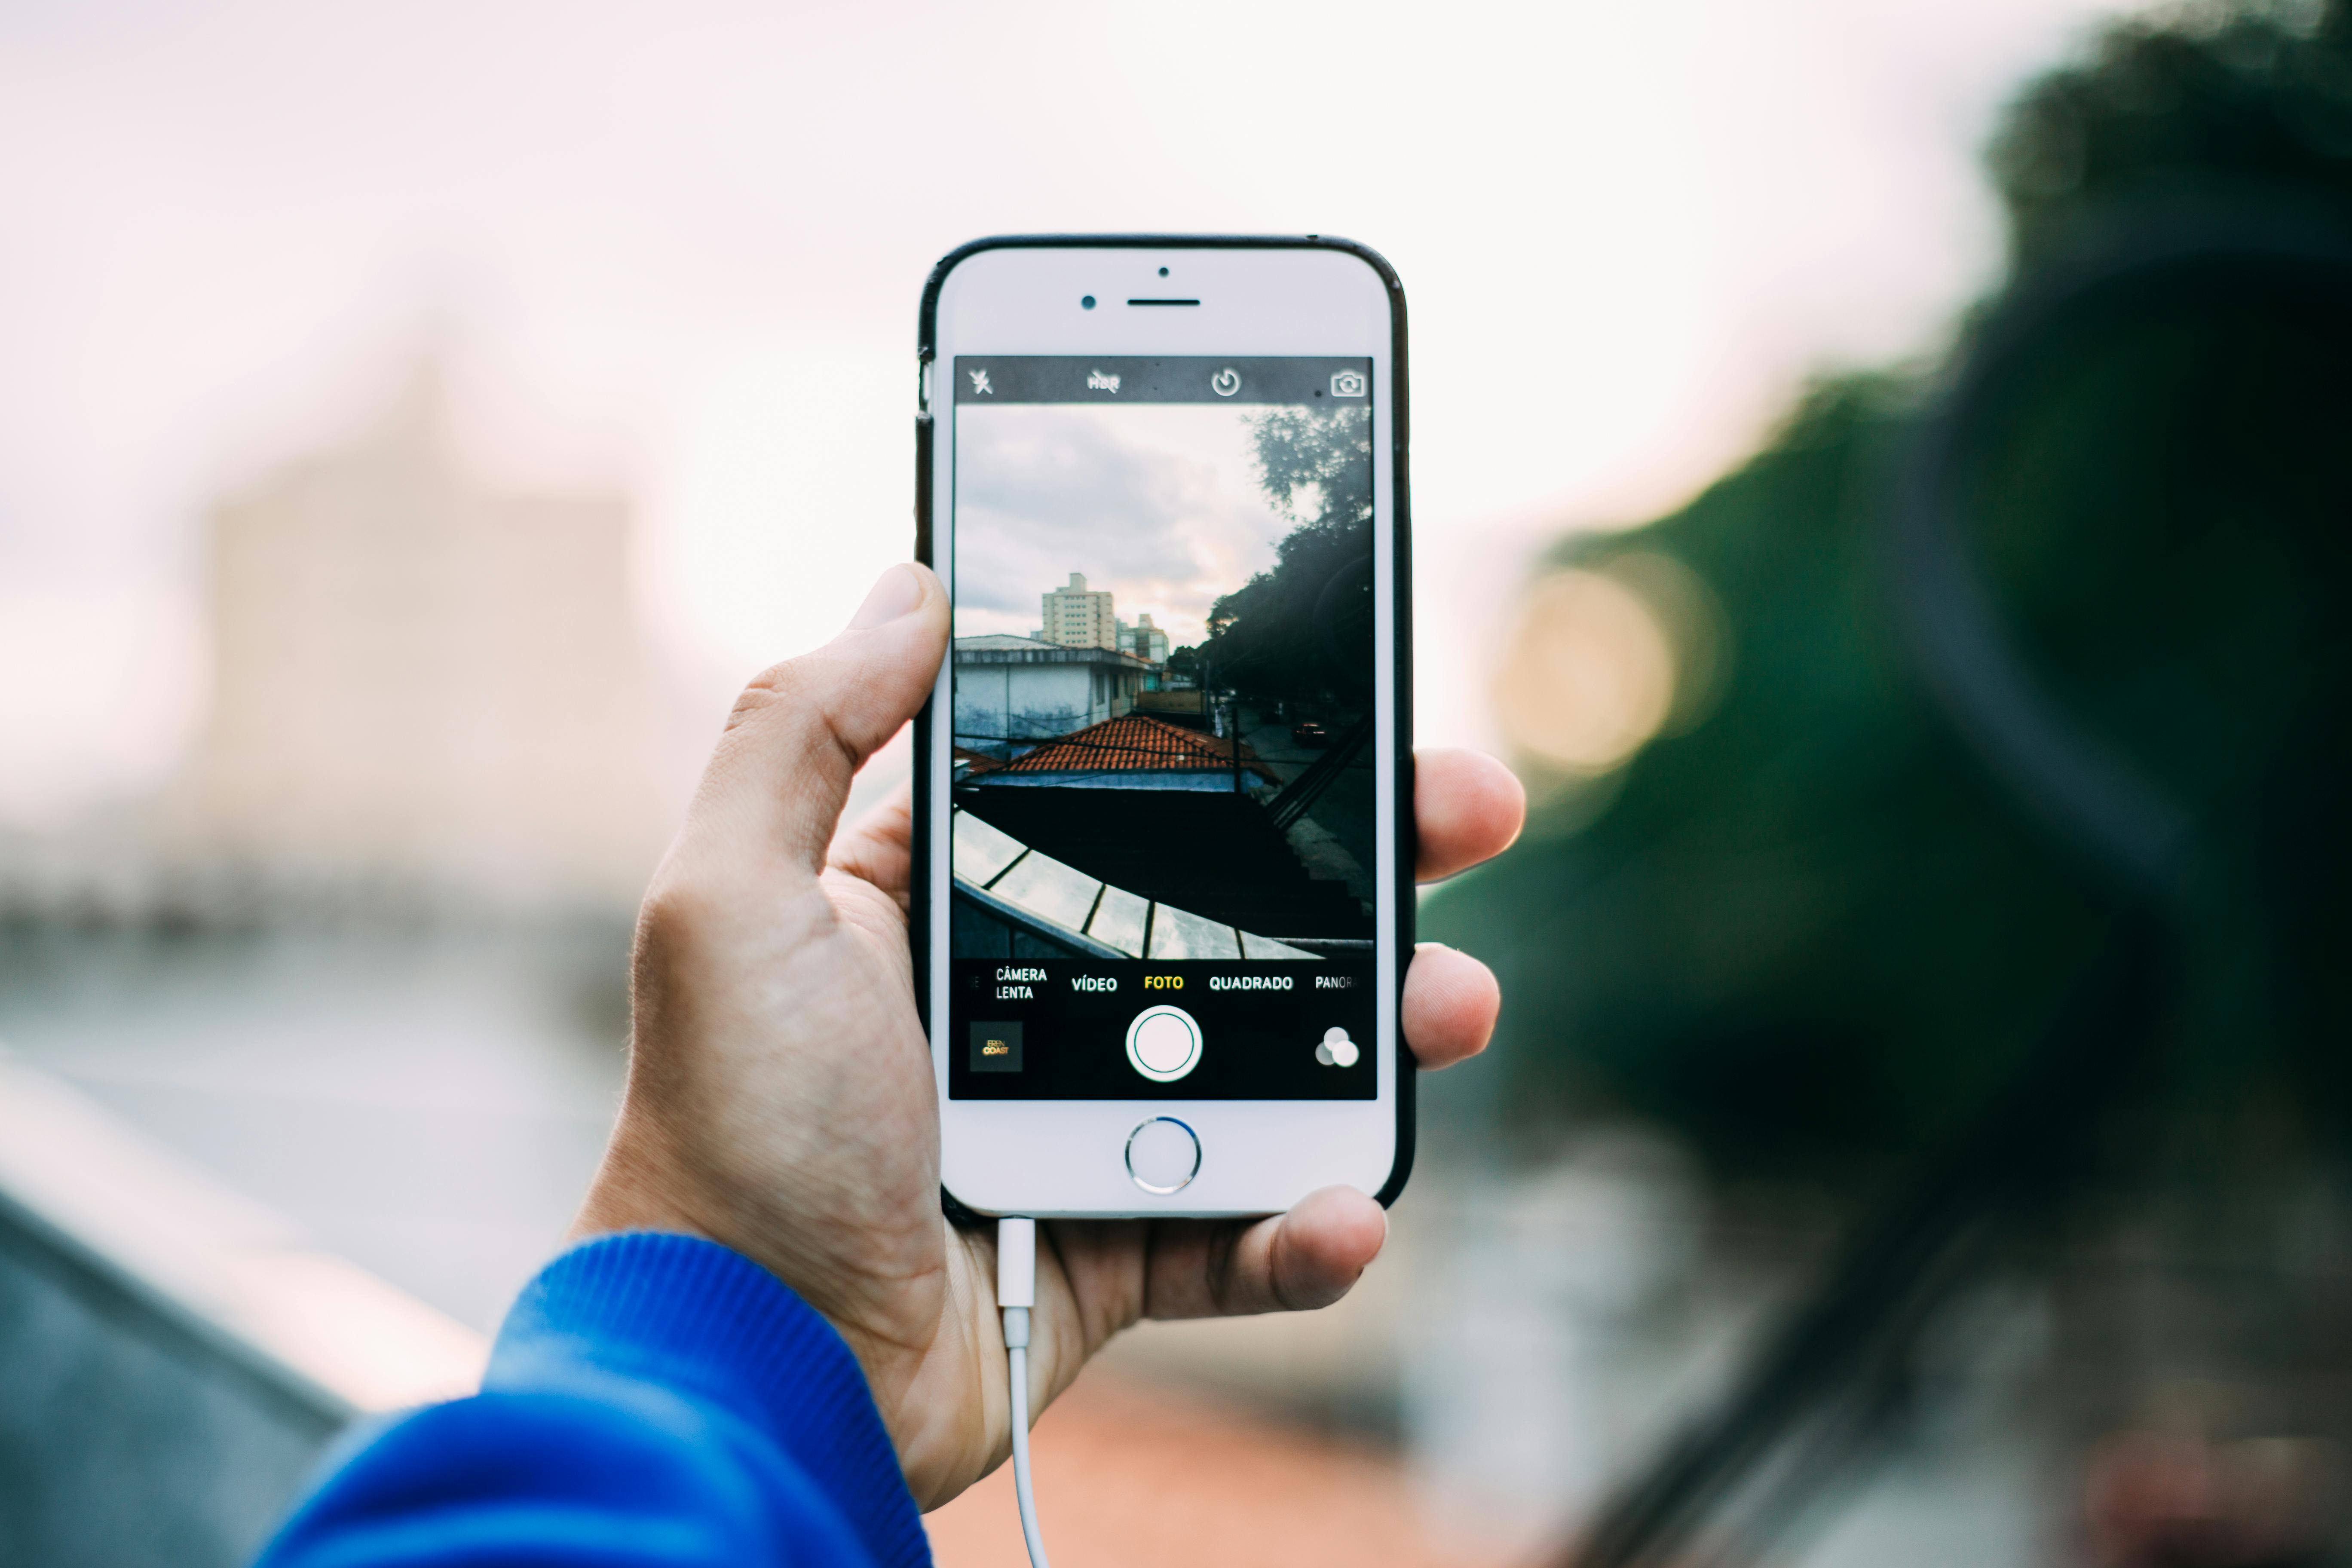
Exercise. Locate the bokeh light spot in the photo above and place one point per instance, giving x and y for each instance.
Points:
(1590, 675)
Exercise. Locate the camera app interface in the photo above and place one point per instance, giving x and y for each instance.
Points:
(1162, 840)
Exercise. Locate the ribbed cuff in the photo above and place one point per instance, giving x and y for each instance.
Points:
(691, 1315)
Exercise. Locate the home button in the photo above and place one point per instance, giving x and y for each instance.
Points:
(1162, 1155)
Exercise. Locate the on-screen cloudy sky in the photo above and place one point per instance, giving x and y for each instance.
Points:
(1158, 502)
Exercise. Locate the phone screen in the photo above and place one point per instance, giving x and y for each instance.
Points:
(1163, 828)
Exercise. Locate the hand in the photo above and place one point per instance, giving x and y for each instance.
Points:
(780, 1098)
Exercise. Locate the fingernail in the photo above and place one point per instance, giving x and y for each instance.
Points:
(894, 594)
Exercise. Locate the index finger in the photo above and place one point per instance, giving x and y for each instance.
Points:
(880, 845)
(1466, 807)
(1289, 1263)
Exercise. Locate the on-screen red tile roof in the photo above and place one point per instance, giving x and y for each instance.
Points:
(1137, 743)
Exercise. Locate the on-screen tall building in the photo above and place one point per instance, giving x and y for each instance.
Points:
(1080, 616)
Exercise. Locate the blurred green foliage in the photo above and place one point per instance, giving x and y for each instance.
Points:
(1812, 928)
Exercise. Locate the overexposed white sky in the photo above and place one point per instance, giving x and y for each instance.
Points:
(679, 247)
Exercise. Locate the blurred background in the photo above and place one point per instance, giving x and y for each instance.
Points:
(1879, 478)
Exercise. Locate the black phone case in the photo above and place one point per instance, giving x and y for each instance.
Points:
(926, 340)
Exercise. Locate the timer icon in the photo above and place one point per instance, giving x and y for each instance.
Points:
(1226, 382)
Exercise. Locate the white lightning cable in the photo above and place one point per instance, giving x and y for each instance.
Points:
(1016, 1292)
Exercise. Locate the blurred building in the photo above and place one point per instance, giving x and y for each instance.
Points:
(422, 680)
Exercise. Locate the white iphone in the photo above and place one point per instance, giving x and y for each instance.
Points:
(1163, 878)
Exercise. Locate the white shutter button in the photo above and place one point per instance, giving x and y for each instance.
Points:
(1163, 1043)
(1162, 1155)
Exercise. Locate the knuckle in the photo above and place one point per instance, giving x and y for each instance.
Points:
(771, 688)
(785, 698)
(674, 912)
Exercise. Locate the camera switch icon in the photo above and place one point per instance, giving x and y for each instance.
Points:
(1348, 383)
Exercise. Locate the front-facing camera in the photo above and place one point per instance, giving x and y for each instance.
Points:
(1087, 303)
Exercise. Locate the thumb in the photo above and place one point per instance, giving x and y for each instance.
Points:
(802, 728)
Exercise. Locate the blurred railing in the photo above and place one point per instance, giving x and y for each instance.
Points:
(173, 1358)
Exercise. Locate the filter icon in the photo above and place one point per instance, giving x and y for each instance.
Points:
(1336, 1049)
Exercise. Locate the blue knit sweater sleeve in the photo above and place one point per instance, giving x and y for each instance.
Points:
(651, 1399)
